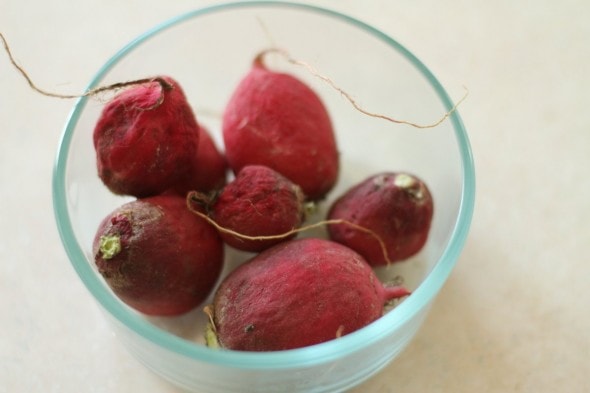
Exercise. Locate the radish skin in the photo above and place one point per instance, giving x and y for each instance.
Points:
(274, 119)
(295, 294)
(157, 256)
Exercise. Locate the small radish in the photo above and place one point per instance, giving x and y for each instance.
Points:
(157, 256)
(276, 120)
(146, 138)
(295, 294)
(397, 207)
(258, 202)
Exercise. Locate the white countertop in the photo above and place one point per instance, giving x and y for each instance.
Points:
(513, 316)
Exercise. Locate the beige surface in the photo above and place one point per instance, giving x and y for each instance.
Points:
(514, 315)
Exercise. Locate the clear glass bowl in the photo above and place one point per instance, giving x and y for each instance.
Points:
(208, 51)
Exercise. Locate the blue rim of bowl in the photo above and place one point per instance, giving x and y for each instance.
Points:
(301, 357)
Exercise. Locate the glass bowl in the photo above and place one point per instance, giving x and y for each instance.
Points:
(208, 51)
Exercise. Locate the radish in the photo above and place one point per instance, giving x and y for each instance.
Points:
(258, 203)
(397, 207)
(209, 168)
(295, 294)
(146, 139)
(274, 119)
(157, 256)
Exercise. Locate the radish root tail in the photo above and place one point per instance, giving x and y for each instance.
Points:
(313, 71)
(196, 197)
(93, 92)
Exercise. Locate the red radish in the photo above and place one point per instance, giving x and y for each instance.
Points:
(157, 256)
(397, 207)
(146, 138)
(209, 169)
(258, 202)
(295, 294)
(276, 120)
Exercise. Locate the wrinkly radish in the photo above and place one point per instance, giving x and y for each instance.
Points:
(146, 139)
(258, 202)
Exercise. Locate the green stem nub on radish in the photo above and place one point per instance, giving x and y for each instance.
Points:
(157, 256)
(109, 246)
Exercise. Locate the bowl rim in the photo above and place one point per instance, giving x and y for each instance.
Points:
(308, 356)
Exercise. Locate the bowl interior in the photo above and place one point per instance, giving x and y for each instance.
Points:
(208, 51)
